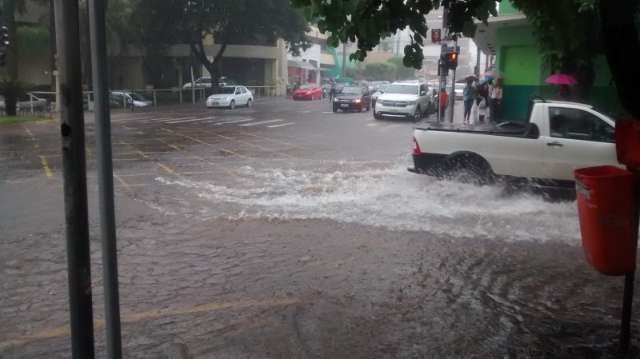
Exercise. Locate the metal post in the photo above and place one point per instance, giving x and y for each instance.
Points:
(629, 278)
(31, 103)
(75, 179)
(97, 9)
(155, 100)
(193, 88)
(452, 98)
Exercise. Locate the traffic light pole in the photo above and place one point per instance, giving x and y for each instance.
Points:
(442, 67)
(75, 179)
(452, 98)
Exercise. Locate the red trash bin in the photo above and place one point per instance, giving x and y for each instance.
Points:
(607, 212)
(628, 142)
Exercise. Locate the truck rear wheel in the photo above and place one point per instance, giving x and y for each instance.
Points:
(469, 168)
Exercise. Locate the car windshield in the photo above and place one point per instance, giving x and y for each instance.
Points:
(351, 91)
(224, 90)
(402, 89)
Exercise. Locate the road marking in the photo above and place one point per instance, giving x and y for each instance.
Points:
(372, 125)
(192, 120)
(233, 153)
(153, 314)
(173, 146)
(328, 113)
(45, 166)
(122, 182)
(137, 174)
(167, 168)
(282, 125)
(260, 123)
(234, 121)
(143, 155)
(181, 118)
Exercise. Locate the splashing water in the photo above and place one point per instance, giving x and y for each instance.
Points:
(389, 197)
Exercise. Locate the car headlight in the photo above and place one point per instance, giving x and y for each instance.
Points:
(335, 99)
(358, 100)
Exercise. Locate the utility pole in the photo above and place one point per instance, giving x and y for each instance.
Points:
(452, 98)
(97, 10)
(344, 58)
(75, 179)
(443, 69)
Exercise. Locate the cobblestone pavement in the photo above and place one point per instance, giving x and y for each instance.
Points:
(287, 231)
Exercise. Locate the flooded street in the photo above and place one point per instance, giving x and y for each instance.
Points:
(310, 240)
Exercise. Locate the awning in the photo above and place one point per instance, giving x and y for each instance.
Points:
(485, 36)
(301, 64)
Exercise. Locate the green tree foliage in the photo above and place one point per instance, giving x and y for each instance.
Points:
(228, 21)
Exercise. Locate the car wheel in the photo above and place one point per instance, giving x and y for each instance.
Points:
(249, 103)
(232, 105)
(469, 168)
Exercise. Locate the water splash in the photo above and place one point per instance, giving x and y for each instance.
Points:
(389, 197)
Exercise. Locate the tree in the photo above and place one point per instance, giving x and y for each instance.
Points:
(227, 21)
(367, 21)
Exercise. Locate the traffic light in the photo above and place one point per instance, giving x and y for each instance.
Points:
(4, 44)
(452, 59)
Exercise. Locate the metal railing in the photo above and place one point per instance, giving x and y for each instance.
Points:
(45, 101)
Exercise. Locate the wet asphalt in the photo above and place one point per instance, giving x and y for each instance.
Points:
(288, 231)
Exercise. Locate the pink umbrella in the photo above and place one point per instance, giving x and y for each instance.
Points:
(561, 79)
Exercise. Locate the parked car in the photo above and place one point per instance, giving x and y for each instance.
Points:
(133, 99)
(307, 92)
(558, 138)
(352, 98)
(26, 102)
(404, 99)
(205, 82)
(230, 96)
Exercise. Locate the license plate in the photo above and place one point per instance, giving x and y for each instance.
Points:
(344, 105)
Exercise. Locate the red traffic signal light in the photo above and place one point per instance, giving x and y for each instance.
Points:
(452, 59)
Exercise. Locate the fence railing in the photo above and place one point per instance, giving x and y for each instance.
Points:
(45, 101)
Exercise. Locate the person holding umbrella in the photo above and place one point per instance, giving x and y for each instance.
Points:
(468, 95)
(564, 81)
(495, 99)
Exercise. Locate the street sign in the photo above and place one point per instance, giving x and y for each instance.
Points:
(436, 36)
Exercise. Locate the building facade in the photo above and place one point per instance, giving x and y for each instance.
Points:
(519, 61)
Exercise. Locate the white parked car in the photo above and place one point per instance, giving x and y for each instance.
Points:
(230, 96)
(559, 138)
(132, 98)
(404, 99)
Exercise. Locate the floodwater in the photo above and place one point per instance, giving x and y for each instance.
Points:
(386, 196)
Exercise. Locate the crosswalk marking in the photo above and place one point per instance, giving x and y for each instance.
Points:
(260, 123)
(282, 124)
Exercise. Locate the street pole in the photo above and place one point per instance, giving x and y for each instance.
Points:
(75, 179)
(344, 58)
(452, 98)
(629, 278)
(97, 9)
(443, 49)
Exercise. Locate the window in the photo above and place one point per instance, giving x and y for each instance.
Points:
(577, 124)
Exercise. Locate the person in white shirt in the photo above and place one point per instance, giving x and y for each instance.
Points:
(495, 100)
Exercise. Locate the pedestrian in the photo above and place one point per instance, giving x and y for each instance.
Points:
(332, 91)
(468, 95)
(495, 100)
(443, 99)
(482, 109)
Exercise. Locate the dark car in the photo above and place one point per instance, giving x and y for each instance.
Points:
(352, 98)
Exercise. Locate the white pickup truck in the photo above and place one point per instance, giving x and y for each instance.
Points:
(559, 137)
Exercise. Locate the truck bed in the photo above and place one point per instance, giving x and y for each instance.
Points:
(511, 129)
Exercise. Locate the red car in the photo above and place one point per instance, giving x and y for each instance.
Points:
(308, 92)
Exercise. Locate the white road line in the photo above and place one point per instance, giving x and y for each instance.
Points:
(234, 121)
(282, 125)
(182, 118)
(372, 124)
(260, 123)
(193, 120)
(327, 113)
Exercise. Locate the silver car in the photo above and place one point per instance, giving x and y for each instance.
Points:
(404, 100)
